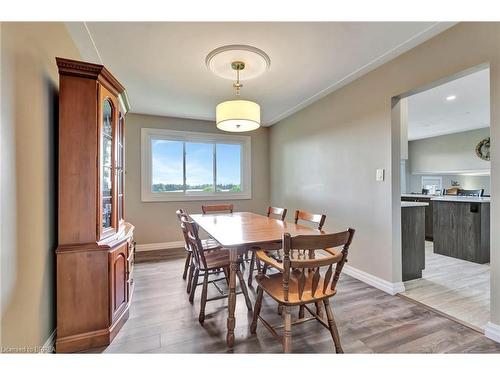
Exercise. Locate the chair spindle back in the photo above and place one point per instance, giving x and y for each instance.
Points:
(280, 212)
(218, 208)
(312, 218)
(303, 268)
(180, 212)
(193, 241)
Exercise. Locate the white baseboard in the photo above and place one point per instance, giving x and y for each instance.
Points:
(49, 345)
(492, 331)
(160, 246)
(377, 282)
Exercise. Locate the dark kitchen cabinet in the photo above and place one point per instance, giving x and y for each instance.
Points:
(429, 216)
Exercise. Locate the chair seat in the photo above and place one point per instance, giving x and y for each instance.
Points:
(217, 259)
(210, 244)
(273, 285)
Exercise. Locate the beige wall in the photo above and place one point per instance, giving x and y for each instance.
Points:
(156, 221)
(29, 86)
(324, 157)
(448, 153)
(464, 181)
(452, 152)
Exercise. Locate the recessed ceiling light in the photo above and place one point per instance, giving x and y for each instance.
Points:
(451, 97)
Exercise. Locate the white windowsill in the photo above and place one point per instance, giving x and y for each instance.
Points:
(190, 198)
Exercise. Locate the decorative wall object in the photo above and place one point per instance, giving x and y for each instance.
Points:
(483, 149)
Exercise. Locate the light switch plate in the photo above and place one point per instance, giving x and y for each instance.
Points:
(380, 175)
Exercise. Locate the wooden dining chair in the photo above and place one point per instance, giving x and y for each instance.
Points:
(280, 214)
(317, 219)
(207, 263)
(217, 208)
(220, 208)
(300, 281)
(208, 244)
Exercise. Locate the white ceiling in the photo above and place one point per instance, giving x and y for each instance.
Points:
(162, 64)
(431, 115)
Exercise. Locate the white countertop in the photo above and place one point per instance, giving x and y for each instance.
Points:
(413, 204)
(418, 196)
(455, 198)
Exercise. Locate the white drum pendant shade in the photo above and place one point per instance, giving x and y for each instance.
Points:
(237, 116)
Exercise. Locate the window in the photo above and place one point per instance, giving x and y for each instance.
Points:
(184, 166)
(433, 184)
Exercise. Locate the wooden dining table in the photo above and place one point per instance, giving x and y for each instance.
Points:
(239, 231)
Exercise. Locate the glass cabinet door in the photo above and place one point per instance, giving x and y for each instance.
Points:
(120, 167)
(110, 167)
(107, 165)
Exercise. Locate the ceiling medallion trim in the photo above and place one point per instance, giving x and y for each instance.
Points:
(237, 47)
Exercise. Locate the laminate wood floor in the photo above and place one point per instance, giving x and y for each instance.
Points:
(455, 287)
(370, 321)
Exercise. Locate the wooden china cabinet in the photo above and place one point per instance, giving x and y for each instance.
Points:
(95, 253)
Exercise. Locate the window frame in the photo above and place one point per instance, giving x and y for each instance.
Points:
(148, 134)
(437, 178)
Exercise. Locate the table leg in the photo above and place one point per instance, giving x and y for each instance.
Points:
(233, 258)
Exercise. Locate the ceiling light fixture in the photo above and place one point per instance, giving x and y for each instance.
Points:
(451, 97)
(237, 115)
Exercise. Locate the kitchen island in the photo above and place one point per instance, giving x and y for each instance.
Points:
(461, 227)
(425, 198)
(413, 239)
